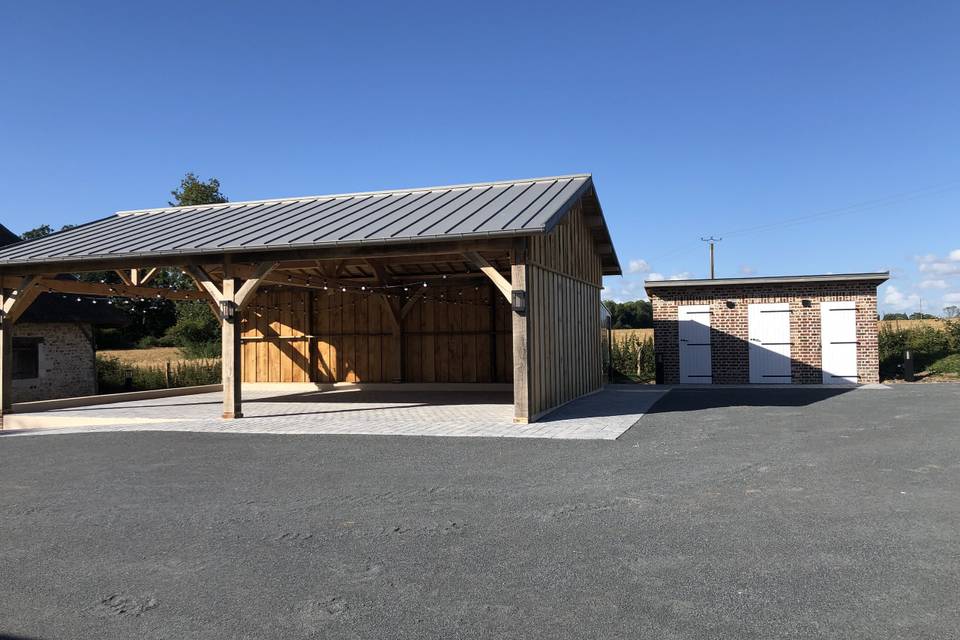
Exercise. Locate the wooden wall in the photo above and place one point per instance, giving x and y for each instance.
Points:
(564, 279)
(456, 333)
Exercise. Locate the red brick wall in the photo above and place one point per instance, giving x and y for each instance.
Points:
(729, 331)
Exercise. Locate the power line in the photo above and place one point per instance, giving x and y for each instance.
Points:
(859, 207)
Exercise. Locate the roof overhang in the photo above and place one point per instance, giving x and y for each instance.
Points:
(875, 277)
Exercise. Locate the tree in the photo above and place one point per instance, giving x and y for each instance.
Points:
(895, 316)
(636, 314)
(922, 316)
(953, 311)
(42, 231)
(193, 192)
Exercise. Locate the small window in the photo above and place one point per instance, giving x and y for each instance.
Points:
(26, 358)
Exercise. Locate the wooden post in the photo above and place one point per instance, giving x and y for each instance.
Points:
(6, 368)
(521, 368)
(230, 347)
(12, 306)
(227, 302)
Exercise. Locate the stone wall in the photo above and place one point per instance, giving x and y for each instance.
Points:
(66, 358)
(729, 331)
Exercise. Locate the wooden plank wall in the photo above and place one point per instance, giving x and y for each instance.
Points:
(564, 279)
(459, 334)
(456, 334)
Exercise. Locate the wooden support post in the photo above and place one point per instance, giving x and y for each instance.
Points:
(12, 306)
(230, 348)
(6, 368)
(521, 323)
(228, 303)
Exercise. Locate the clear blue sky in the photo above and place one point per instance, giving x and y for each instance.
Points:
(695, 118)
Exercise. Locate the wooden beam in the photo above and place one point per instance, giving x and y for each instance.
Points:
(79, 287)
(125, 277)
(20, 298)
(412, 300)
(204, 281)
(491, 272)
(149, 275)
(249, 288)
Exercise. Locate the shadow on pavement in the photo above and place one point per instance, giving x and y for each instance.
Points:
(700, 398)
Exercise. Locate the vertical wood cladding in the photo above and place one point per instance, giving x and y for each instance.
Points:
(564, 279)
(729, 328)
(453, 334)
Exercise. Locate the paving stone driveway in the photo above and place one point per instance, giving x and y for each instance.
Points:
(602, 416)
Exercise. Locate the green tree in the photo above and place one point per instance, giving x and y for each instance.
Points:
(895, 316)
(953, 311)
(636, 314)
(193, 192)
(42, 231)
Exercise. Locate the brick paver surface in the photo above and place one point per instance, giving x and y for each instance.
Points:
(603, 415)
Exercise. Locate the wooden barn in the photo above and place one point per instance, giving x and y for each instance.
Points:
(478, 284)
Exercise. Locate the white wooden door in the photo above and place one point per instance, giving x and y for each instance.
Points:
(769, 334)
(838, 339)
(694, 333)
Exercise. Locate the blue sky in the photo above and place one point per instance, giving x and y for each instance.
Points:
(695, 118)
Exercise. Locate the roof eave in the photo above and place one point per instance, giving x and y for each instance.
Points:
(877, 277)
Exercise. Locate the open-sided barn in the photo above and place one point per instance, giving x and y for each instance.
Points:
(469, 284)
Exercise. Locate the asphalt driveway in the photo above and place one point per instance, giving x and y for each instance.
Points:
(793, 513)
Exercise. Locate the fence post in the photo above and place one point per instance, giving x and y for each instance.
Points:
(166, 375)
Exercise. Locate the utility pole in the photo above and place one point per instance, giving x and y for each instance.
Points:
(711, 240)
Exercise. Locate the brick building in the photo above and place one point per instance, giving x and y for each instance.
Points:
(770, 330)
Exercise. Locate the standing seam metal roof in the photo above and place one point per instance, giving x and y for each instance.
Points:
(520, 207)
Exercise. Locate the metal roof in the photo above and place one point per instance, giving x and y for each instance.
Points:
(468, 211)
(877, 277)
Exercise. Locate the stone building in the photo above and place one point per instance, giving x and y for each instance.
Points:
(54, 352)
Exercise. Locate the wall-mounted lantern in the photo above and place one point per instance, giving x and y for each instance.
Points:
(731, 304)
(227, 310)
(518, 301)
(807, 303)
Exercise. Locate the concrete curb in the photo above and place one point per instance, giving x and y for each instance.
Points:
(109, 398)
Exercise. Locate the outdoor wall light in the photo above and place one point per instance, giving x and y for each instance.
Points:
(807, 303)
(227, 310)
(731, 304)
(518, 300)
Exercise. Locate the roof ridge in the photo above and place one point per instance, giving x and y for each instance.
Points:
(239, 203)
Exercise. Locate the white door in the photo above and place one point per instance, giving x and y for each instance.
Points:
(769, 333)
(838, 339)
(694, 332)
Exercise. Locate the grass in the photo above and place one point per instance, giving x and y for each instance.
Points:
(949, 365)
(115, 375)
(151, 356)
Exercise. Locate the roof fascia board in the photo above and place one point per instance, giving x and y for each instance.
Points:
(720, 282)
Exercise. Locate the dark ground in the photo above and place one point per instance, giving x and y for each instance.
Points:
(723, 514)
